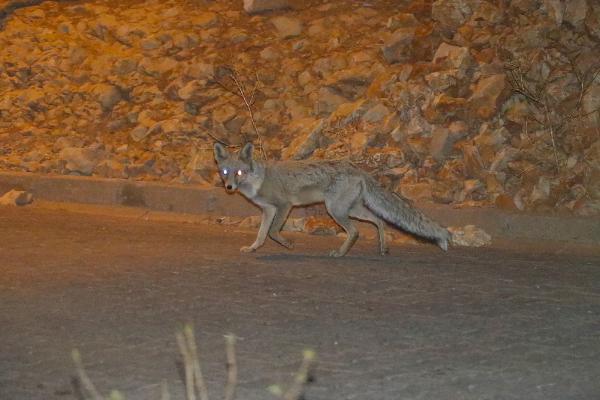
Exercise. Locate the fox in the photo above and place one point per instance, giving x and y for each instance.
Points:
(348, 193)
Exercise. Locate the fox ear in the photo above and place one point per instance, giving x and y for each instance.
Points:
(246, 153)
(221, 152)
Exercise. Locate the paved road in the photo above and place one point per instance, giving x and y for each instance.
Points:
(419, 324)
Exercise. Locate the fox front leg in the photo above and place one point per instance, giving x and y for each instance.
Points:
(267, 219)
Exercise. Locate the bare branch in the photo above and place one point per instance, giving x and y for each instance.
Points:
(187, 364)
(240, 91)
(231, 385)
(87, 383)
(295, 390)
(195, 360)
(551, 129)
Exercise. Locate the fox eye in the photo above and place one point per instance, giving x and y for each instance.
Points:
(225, 171)
(239, 172)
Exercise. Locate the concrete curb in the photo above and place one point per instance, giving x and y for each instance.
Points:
(190, 199)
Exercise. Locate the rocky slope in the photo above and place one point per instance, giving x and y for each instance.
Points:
(466, 102)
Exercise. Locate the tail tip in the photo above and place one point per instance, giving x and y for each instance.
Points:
(443, 241)
(443, 244)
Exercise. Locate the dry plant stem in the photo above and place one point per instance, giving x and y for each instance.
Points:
(85, 380)
(242, 92)
(551, 129)
(295, 390)
(231, 367)
(195, 360)
(187, 364)
(218, 140)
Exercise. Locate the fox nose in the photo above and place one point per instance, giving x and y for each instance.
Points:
(229, 187)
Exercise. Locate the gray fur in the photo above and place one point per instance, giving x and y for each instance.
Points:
(347, 192)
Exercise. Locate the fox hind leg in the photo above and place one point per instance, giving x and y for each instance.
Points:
(361, 212)
(339, 208)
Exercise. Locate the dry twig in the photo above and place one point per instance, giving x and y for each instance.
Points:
(87, 383)
(231, 385)
(294, 391)
(187, 365)
(240, 91)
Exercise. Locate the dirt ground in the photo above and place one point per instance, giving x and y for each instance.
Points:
(493, 323)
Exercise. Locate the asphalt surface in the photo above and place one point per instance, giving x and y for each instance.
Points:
(494, 323)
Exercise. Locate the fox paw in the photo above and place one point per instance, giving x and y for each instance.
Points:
(384, 251)
(335, 253)
(288, 244)
(247, 249)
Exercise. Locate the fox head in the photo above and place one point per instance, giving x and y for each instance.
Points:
(235, 169)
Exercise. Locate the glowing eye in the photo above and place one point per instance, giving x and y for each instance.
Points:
(239, 172)
(225, 172)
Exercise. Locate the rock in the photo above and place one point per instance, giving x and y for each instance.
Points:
(470, 236)
(376, 114)
(592, 21)
(31, 96)
(348, 113)
(251, 222)
(591, 100)
(451, 14)
(472, 161)
(139, 133)
(66, 141)
(125, 66)
(320, 226)
(79, 160)
(307, 141)
(270, 54)
(108, 95)
(488, 95)
(453, 57)
(110, 169)
(441, 81)
(487, 12)
(417, 191)
(399, 47)
(237, 35)
(443, 108)
(259, 6)
(294, 225)
(470, 186)
(200, 70)
(402, 20)
(541, 191)
(16, 198)
(417, 125)
(150, 43)
(502, 158)
(575, 12)
(224, 113)
(327, 101)
(361, 140)
(523, 6)
(304, 78)
(205, 20)
(287, 27)
(351, 83)
(441, 143)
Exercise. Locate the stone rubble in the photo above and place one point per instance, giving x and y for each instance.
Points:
(16, 198)
(462, 102)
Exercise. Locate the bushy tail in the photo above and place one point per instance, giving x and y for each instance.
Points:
(399, 212)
